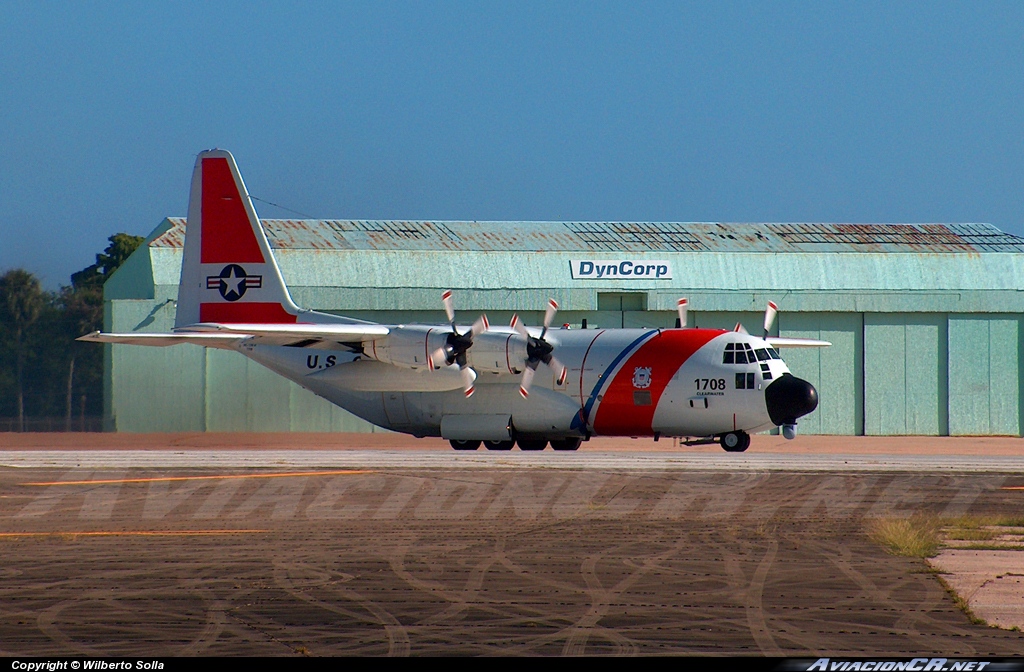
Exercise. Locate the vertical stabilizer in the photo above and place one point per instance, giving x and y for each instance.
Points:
(228, 274)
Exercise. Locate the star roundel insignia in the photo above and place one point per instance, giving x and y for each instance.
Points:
(233, 281)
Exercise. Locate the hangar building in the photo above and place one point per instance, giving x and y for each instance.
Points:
(925, 319)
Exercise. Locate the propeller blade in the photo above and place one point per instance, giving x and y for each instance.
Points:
(468, 378)
(739, 328)
(438, 358)
(549, 313)
(681, 306)
(524, 385)
(769, 317)
(519, 327)
(481, 325)
(449, 306)
(561, 370)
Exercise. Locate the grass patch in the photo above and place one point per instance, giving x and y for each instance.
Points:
(922, 536)
(1008, 521)
(988, 547)
(916, 537)
(961, 603)
(975, 522)
(972, 534)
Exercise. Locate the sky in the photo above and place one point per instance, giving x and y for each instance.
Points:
(597, 111)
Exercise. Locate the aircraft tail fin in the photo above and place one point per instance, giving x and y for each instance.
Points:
(228, 274)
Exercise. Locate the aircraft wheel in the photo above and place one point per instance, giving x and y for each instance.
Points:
(566, 444)
(532, 444)
(735, 442)
(464, 445)
(499, 445)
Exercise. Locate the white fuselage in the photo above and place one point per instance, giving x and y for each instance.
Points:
(620, 382)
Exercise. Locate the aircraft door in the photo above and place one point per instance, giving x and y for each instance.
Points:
(394, 408)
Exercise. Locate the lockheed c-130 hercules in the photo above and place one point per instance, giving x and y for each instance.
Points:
(471, 384)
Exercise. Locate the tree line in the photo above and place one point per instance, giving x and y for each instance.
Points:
(44, 371)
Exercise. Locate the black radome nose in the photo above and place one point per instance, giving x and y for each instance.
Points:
(789, 398)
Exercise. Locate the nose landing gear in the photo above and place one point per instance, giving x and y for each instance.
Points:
(735, 442)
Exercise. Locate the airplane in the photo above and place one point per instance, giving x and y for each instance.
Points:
(476, 384)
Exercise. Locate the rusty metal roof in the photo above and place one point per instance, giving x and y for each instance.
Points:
(333, 234)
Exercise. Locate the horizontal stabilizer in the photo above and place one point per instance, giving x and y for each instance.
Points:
(332, 331)
(226, 341)
(779, 342)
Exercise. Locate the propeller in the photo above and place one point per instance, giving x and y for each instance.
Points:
(681, 306)
(456, 345)
(769, 316)
(538, 350)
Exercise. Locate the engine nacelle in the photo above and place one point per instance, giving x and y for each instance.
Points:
(408, 346)
(498, 352)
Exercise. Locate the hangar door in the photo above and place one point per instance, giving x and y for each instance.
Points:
(984, 383)
(905, 374)
(836, 372)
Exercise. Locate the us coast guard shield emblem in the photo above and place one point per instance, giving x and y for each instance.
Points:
(642, 377)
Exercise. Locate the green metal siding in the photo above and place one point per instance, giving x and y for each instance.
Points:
(154, 389)
(310, 413)
(241, 395)
(905, 374)
(984, 381)
(837, 372)
(898, 364)
(185, 388)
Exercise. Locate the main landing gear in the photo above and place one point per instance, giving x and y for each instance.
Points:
(735, 442)
(571, 443)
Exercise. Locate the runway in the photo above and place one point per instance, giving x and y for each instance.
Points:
(450, 459)
(405, 552)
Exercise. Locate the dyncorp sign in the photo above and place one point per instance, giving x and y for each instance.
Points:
(592, 269)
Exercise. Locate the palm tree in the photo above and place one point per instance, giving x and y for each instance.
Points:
(81, 312)
(21, 301)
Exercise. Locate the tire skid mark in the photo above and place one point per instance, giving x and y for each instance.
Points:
(581, 631)
(469, 595)
(759, 629)
(399, 643)
(916, 623)
(398, 563)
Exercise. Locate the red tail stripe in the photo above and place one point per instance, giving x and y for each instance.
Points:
(228, 236)
(245, 313)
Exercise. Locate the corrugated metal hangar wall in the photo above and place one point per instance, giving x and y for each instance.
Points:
(925, 320)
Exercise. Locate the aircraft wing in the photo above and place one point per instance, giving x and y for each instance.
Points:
(778, 342)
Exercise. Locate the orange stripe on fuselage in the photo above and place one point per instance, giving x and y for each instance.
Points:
(617, 414)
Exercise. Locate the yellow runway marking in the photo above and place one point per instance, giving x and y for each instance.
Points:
(131, 533)
(291, 474)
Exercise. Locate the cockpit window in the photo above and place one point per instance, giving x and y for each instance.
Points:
(742, 353)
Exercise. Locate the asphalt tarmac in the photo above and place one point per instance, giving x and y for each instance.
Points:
(405, 552)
